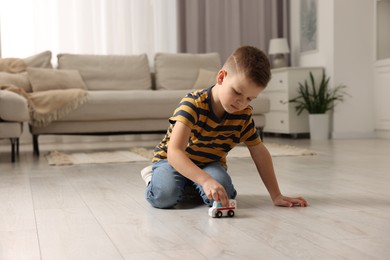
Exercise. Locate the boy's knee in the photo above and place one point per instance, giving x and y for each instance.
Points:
(219, 174)
(163, 197)
(222, 177)
(162, 201)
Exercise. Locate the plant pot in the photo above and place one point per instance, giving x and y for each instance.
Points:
(319, 126)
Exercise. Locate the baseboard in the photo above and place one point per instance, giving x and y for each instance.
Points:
(354, 135)
(383, 134)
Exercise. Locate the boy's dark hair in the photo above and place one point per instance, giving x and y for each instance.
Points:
(252, 62)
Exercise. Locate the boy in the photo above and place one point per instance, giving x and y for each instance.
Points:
(206, 125)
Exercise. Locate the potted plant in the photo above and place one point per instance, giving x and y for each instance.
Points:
(318, 100)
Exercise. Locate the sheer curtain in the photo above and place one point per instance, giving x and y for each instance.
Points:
(88, 26)
(224, 25)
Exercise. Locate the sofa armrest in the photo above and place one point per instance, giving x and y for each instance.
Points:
(13, 107)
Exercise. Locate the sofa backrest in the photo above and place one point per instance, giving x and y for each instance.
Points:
(109, 72)
(40, 60)
(175, 71)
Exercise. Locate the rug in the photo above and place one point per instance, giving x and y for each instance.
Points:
(276, 150)
(59, 158)
(140, 154)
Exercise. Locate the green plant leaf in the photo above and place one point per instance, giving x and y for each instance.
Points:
(317, 98)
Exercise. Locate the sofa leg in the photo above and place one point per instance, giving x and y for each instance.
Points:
(13, 150)
(17, 147)
(261, 133)
(35, 145)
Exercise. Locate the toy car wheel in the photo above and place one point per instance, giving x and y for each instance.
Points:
(231, 213)
(218, 214)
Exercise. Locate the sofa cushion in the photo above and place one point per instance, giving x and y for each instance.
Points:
(40, 60)
(205, 79)
(109, 72)
(260, 105)
(17, 79)
(49, 79)
(176, 71)
(124, 105)
(138, 104)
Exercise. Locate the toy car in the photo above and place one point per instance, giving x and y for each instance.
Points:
(217, 211)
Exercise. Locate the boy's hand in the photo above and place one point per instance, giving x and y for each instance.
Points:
(215, 191)
(289, 202)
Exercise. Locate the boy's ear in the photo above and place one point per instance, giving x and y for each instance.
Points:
(221, 76)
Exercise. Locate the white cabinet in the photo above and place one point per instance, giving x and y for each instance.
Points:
(283, 86)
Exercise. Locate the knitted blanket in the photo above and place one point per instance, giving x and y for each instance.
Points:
(47, 106)
(12, 65)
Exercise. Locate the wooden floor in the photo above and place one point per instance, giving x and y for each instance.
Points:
(99, 211)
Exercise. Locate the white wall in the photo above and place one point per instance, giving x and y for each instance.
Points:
(345, 50)
(323, 56)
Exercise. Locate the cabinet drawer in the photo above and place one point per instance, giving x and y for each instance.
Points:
(276, 122)
(278, 101)
(278, 82)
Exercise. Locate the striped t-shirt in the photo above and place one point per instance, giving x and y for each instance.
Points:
(211, 137)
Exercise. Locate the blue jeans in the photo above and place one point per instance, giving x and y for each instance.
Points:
(166, 188)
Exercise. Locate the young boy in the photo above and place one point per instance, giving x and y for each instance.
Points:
(206, 125)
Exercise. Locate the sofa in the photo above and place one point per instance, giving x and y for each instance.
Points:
(121, 94)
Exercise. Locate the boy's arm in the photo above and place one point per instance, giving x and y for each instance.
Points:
(179, 160)
(264, 165)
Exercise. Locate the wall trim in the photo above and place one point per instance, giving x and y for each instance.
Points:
(354, 135)
(383, 134)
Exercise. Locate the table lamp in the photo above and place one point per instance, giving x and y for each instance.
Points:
(278, 47)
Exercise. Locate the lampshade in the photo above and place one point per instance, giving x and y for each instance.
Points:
(278, 46)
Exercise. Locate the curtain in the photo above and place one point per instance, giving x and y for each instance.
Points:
(88, 26)
(224, 25)
(0, 38)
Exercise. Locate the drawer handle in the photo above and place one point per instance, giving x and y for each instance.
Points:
(280, 81)
(282, 121)
(283, 102)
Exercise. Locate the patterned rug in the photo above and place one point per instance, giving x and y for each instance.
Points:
(139, 154)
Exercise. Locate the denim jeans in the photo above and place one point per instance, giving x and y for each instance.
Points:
(166, 188)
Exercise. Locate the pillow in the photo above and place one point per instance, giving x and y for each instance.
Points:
(18, 79)
(48, 79)
(206, 78)
(110, 72)
(40, 60)
(176, 71)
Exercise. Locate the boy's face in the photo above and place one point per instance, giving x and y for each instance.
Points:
(236, 91)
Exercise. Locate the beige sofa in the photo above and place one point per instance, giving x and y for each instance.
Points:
(124, 95)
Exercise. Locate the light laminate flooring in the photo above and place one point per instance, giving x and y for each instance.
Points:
(99, 211)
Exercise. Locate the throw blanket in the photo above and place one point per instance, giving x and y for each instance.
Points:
(47, 106)
(12, 65)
